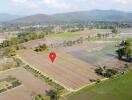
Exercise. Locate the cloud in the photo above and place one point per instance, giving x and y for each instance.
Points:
(26, 3)
(124, 2)
(31, 5)
(19, 1)
(59, 4)
(54, 2)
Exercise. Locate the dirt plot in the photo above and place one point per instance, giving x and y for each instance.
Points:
(71, 72)
(29, 88)
(19, 93)
(47, 40)
(89, 46)
(96, 58)
(103, 55)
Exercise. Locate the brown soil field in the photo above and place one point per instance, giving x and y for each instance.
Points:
(92, 32)
(69, 71)
(112, 63)
(47, 40)
(29, 88)
(85, 46)
(18, 93)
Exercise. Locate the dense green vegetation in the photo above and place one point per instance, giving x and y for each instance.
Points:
(50, 95)
(125, 50)
(21, 38)
(118, 88)
(114, 30)
(40, 48)
(105, 72)
(41, 97)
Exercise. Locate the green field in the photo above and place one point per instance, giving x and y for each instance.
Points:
(64, 35)
(114, 89)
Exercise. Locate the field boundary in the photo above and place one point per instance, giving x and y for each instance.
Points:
(9, 70)
(76, 90)
(54, 80)
(11, 89)
(69, 89)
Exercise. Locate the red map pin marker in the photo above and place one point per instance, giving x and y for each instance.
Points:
(52, 56)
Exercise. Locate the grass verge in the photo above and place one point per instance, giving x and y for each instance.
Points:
(119, 88)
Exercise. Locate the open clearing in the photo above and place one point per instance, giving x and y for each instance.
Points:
(74, 66)
(69, 71)
(29, 88)
(64, 35)
(114, 89)
(104, 56)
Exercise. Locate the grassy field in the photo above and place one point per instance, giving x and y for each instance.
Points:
(64, 35)
(114, 89)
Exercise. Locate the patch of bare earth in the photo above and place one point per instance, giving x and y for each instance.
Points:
(70, 71)
(29, 88)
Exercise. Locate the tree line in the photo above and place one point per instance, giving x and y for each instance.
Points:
(21, 38)
(125, 50)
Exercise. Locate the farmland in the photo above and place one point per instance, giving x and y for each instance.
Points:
(64, 35)
(84, 58)
(114, 89)
(104, 56)
(62, 69)
(29, 88)
(65, 50)
(74, 69)
(8, 83)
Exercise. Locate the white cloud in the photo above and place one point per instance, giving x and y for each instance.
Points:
(59, 4)
(124, 2)
(19, 1)
(54, 2)
(30, 5)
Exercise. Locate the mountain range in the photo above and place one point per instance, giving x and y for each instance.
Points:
(78, 16)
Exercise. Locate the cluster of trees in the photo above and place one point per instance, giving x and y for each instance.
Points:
(70, 43)
(7, 52)
(40, 48)
(51, 95)
(105, 72)
(67, 43)
(41, 97)
(108, 24)
(114, 30)
(21, 38)
(125, 50)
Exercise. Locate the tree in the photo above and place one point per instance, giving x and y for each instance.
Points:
(105, 72)
(125, 49)
(114, 30)
(40, 48)
(12, 53)
(54, 94)
(120, 53)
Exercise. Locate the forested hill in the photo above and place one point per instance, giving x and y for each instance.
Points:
(79, 16)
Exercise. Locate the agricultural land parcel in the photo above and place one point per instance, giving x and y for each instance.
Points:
(114, 89)
(30, 85)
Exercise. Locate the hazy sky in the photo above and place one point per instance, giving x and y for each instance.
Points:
(27, 7)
